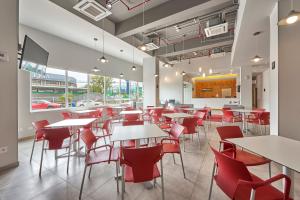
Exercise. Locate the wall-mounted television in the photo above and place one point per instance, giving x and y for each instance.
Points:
(34, 58)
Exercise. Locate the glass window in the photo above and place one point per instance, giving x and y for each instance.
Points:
(140, 91)
(133, 91)
(78, 90)
(48, 89)
(124, 90)
(97, 88)
(113, 91)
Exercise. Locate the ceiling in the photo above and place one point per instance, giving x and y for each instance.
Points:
(59, 22)
(142, 21)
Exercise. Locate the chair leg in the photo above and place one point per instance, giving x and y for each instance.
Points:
(90, 171)
(162, 180)
(32, 150)
(42, 155)
(199, 140)
(69, 150)
(270, 168)
(184, 142)
(182, 165)
(123, 183)
(117, 173)
(174, 159)
(212, 181)
(82, 182)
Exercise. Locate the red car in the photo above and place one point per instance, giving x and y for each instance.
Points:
(43, 104)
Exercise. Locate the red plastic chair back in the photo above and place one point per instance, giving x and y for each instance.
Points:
(167, 119)
(176, 130)
(226, 132)
(132, 123)
(129, 108)
(88, 137)
(38, 126)
(142, 161)
(131, 117)
(109, 111)
(55, 137)
(190, 125)
(66, 115)
(264, 118)
(229, 172)
(106, 126)
(158, 112)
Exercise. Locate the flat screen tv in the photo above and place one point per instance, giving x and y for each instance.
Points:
(34, 58)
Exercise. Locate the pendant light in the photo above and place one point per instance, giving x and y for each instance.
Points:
(256, 58)
(109, 5)
(155, 75)
(143, 47)
(210, 71)
(292, 17)
(103, 59)
(133, 68)
(121, 75)
(95, 69)
(166, 65)
(183, 73)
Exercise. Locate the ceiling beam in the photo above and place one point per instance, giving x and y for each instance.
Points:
(166, 14)
(191, 45)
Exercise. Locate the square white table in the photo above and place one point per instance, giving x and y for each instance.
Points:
(177, 115)
(72, 122)
(137, 133)
(281, 150)
(130, 112)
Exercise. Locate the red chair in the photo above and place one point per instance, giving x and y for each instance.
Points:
(229, 117)
(55, 138)
(38, 136)
(262, 119)
(234, 179)
(131, 117)
(139, 165)
(172, 145)
(201, 116)
(111, 113)
(132, 123)
(97, 154)
(190, 125)
(249, 159)
(66, 115)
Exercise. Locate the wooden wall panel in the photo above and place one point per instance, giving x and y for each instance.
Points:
(213, 88)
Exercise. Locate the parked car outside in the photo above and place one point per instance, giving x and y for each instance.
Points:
(88, 103)
(43, 104)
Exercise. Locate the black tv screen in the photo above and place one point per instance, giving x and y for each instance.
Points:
(34, 58)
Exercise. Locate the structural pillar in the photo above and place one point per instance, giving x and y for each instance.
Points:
(246, 86)
(151, 83)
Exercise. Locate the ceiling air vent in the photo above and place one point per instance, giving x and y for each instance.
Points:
(92, 9)
(216, 30)
(151, 46)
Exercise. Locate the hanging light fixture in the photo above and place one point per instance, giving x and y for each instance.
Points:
(109, 5)
(121, 75)
(166, 65)
(133, 68)
(256, 58)
(96, 69)
(143, 47)
(210, 71)
(183, 73)
(292, 17)
(155, 75)
(103, 59)
(203, 75)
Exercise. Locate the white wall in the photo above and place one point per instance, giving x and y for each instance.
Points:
(68, 55)
(259, 87)
(150, 83)
(288, 75)
(274, 72)
(213, 102)
(187, 93)
(170, 85)
(266, 90)
(8, 81)
(246, 86)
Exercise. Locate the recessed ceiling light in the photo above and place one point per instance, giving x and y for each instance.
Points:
(155, 75)
(210, 71)
(121, 50)
(143, 47)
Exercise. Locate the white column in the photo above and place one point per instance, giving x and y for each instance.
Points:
(9, 83)
(151, 88)
(246, 86)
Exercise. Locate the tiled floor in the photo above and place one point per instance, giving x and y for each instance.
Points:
(23, 183)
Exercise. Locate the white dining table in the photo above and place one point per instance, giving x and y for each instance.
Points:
(279, 149)
(177, 115)
(130, 112)
(137, 133)
(72, 123)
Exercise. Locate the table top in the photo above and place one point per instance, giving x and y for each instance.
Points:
(82, 111)
(152, 108)
(130, 112)
(245, 111)
(123, 133)
(177, 115)
(72, 122)
(282, 150)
